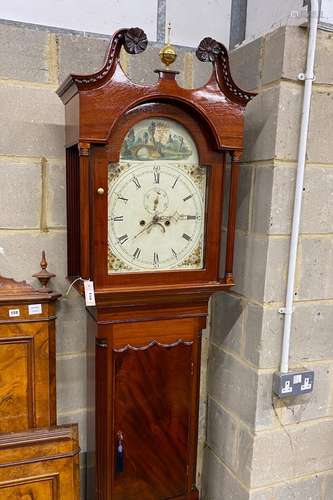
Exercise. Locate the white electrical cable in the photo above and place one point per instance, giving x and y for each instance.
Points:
(73, 283)
(308, 78)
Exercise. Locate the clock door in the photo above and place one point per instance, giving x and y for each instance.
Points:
(153, 394)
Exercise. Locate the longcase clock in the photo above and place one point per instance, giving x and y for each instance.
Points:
(145, 173)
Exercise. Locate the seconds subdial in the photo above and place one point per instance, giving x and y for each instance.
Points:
(156, 200)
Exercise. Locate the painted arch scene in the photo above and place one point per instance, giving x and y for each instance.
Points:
(158, 139)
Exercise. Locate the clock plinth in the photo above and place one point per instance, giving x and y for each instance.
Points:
(145, 182)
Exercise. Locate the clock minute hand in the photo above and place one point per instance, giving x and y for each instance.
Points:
(143, 230)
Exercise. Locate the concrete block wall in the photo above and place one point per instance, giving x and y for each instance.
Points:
(32, 178)
(258, 447)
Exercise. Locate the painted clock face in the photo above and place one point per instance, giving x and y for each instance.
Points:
(156, 201)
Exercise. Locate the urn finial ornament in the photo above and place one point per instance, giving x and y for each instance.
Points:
(44, 275)
(168, 54)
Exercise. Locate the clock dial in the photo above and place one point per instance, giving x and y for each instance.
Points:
(156, 206)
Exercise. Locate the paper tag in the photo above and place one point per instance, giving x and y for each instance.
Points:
(89, 293)
(35, 308)
(13, 313)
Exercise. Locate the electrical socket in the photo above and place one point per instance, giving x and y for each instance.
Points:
(293, 383)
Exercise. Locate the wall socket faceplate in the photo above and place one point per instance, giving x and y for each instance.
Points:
(293, 383)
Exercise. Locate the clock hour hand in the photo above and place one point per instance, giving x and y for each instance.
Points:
(176, 217)
(156, 222)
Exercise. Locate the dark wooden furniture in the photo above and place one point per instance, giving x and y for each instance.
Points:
(27, 356)
(40, 464)
(145, 331)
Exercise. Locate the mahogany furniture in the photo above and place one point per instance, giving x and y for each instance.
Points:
(145, 331)
(40, 464)
(37, 459)
(27, 356)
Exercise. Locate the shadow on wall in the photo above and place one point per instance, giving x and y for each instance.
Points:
(226, 320)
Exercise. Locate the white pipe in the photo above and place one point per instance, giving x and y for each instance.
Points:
(308, 77)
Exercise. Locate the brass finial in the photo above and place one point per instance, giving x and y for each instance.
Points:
(43, 276)
(168, 54)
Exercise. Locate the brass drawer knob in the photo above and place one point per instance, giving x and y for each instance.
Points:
(100, 191)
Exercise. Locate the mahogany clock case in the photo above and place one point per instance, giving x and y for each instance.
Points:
(144, 334)
(100, 109)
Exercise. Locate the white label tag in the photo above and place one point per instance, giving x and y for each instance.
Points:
(35, 308)
(89, 293)
(13, 313)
